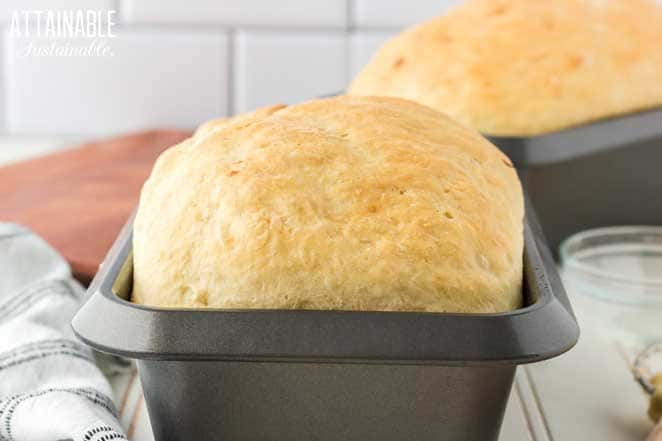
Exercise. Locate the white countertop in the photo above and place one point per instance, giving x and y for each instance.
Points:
(21, 147)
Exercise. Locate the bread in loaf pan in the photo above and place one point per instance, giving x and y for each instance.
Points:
(348, 203)
(522, 67)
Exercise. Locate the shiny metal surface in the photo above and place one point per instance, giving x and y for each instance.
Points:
(302, 375)
(596, 175)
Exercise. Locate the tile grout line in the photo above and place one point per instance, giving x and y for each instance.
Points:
(230, 70)
(207, 27)
(349, 16)
(349, 30)
(115, 6)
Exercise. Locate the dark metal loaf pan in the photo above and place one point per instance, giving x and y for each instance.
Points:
(258, 375)
(596, 175)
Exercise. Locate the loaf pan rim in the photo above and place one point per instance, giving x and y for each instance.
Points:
(584, 139)
(113, 325)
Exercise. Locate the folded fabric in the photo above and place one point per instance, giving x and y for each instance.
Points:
(50, 386)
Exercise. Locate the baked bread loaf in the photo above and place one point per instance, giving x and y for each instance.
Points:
(522, 67)
(349, 203)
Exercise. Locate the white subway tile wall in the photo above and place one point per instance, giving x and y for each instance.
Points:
(294, 13)
(7, 7)
(176, 64)
(397, 13)
(363, 45)
(279, 67)
(171, 79)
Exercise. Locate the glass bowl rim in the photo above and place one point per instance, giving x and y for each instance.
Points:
(569, 260)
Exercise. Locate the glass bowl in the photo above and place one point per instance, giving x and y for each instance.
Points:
(614, 276)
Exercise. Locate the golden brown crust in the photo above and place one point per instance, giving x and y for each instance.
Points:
(350, 203)
(522, 67)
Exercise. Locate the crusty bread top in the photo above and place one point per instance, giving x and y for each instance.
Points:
(524, 67)
(350, 203)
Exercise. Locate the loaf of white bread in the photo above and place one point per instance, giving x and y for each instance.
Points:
(349, 203)
(526, 67)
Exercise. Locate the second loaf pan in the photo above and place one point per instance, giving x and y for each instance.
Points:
(599, 174)
(326, 375)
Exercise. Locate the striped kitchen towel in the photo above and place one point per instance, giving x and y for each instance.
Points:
(131, 406)
(51, 387)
